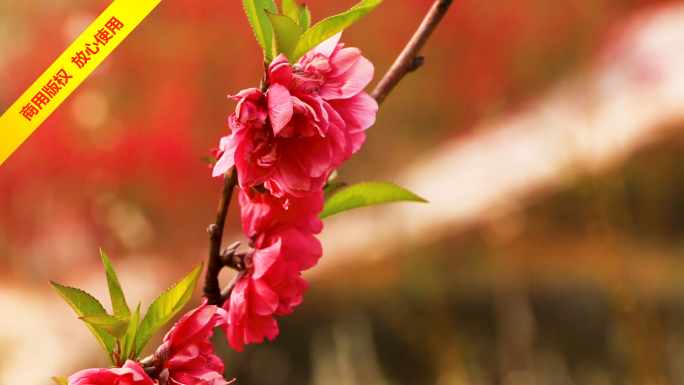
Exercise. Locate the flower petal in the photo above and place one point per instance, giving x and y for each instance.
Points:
(349, 82)
(280, 71)
(292, 174)
(280, 107)
(263, 259)
(327, 47)
(262, 299)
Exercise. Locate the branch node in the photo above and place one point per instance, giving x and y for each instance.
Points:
(417, 63)
(227, 257)
(213, 230)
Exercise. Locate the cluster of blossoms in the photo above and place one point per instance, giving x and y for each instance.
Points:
(310, 120)
(284, 144)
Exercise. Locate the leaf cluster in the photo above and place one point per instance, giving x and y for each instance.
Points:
(290, 32)
(123, 335)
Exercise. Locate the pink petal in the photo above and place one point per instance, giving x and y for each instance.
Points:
(270, 328)
(275, 189)
(263, 299)
(260, 326)
(191, 324)
(227, 159)
(358, 112)
(348, 83)
(242, 166)
(297, 246)
(229, 145)
(204, 377)
(327, 47)
(234, 334)
(280, 71)
(280, 107)
(237, 306)
(130, 374)
(214, 363)
(183, 357)
(343, 60)
(314, 153)
(221, 316)
(263, 259)
(292, 174)
(356, 139)
(341, 149)
(316, 107)
(250, 173)
(255, 213)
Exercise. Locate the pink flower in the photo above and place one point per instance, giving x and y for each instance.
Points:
(271, 285)
(290, 222)
(276, 266)
(282, 245)
(338, 76)
(250, 310)
(186, 353)
(130, 374)
(317, 113)
(262, 213)
(296, 162)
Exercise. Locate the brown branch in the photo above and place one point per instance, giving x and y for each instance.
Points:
(409, 60)
(212, 290)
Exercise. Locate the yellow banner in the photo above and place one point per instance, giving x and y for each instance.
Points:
(75, 64)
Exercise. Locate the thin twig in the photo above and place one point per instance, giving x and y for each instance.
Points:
(409, 60)
(212, 290)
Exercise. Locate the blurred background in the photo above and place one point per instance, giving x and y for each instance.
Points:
(548, 136)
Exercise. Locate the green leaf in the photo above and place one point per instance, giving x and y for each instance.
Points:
(166, 306)
(261, 25)
(85, 304)
(60, 380)
(119, 304)
(366, 194)
(286, 34)
(128, 341)
(304, 17)
(290, 9)
(331, 187)
(113, 326)
(331, 26)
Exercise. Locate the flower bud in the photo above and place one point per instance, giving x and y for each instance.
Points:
(162, 353)
(164, 377)
(213, 230)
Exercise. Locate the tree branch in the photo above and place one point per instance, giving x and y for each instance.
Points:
(409, 60)
(212, 290)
